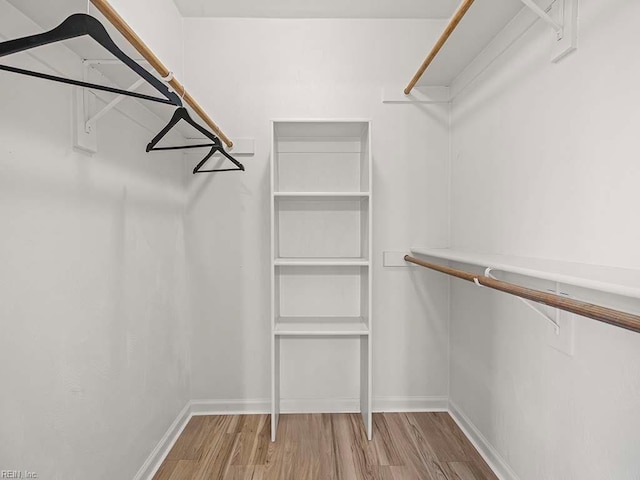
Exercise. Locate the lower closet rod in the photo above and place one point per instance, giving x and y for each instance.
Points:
(596, 312)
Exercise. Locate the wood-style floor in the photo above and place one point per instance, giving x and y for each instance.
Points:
(405, 446)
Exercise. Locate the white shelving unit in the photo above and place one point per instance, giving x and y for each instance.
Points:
(321, 241)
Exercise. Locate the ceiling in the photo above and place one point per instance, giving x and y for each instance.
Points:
(48, 16)
(318, 9)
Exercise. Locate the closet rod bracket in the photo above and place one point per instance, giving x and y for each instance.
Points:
(544, 15)
(90, 120)
(85, 136)
(90, 123)
(554, 320)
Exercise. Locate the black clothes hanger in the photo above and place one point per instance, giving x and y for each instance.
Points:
(216, 145)
(78, 25)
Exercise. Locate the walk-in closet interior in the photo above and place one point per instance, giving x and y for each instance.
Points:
(300, 240)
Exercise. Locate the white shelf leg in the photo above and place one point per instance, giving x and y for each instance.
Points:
(275, 386)
(365, 384)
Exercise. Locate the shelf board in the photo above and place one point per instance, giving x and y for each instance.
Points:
(615, 280)
(320, 326)
(330, 195)
(320, 262)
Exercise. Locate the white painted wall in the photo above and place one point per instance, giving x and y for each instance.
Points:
(249, 71)
(159, 24)
(545, 164)
(94, 354)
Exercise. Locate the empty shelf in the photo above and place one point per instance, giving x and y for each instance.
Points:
(320, 326)
(321, 262)
(329, 195)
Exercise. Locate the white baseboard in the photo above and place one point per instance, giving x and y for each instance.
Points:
(160, 452)
(495, 461)
(311, 405)
(230, 407)
(410, 404)
(325, 405)
(262, 406)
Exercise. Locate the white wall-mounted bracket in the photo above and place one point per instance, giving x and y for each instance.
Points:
(85, 135)
(562, 338)
(535, 8)
(562, 17)
(560, 335)
(83, 139)
(566, 13)
(91, 122)
(553, 319)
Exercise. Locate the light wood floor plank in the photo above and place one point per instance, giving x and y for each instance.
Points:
(184, 469)
(251, 448)
(344, 459)
(411, 447)
(405, 446)
(217, 460)
(190, 443)
(383, 443)
(438, 446)
(241, 472)
(465, 471)
(166, 469)
(425, 442)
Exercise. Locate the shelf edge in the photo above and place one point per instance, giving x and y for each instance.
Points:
(468, 258)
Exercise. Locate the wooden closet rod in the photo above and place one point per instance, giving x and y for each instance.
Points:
(118, 22)
(596, 312)
(453, 23)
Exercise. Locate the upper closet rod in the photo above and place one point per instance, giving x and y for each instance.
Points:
(453, 23)
(596, 312)
(118, 22)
